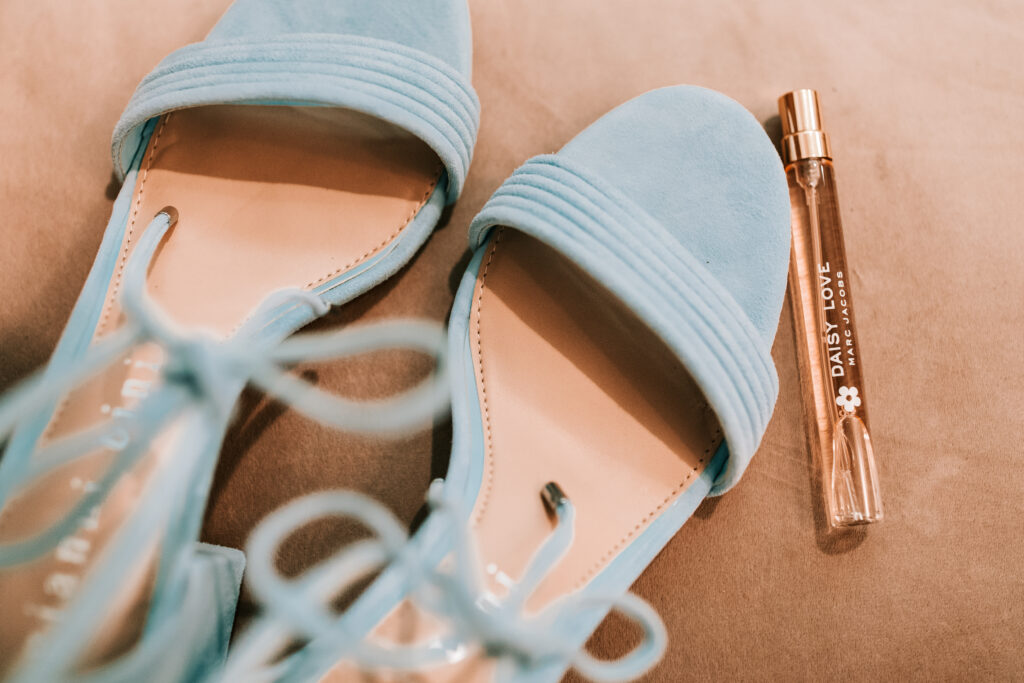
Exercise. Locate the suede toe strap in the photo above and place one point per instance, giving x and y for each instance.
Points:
(609, 236)
(408, 87)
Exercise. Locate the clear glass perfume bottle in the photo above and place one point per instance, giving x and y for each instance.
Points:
(827, 348)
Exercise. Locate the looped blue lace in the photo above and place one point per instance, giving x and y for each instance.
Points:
(450, 590)
(202, 371)
(199, 381)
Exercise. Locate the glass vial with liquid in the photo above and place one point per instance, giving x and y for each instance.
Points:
(827, 347)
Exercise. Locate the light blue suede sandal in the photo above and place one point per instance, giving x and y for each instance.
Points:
(307, 149)
(611, 334)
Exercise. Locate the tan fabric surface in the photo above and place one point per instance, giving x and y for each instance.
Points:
(923, 103)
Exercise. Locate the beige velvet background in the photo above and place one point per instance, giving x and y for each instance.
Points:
(924, 104)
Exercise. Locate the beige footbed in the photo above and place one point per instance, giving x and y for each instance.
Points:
(574, 389)
(268, 197)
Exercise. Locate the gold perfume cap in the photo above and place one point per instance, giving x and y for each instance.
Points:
(803, 136)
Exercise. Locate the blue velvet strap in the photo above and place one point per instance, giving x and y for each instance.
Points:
(615, 240)
(406, 86)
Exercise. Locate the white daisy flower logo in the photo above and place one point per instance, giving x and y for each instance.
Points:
(848, 398)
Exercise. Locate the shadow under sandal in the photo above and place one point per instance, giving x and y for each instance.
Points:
(610, 360)
(295, 158)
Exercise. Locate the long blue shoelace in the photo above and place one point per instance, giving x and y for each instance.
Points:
(475, 622)
(201, 379)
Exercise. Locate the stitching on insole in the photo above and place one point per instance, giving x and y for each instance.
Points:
(58, 413)
(438, 171)
(115, 286)
(614, 550)
(488, 455)
(416, 209)
(488, 484)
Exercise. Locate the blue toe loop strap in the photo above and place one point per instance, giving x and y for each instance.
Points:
(405, 86)
(638, 260)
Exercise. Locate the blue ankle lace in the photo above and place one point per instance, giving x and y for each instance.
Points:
(475, 621)
(201, 379)
(199, 382)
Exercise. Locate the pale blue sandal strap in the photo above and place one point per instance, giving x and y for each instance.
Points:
(561, 203)
(261, 54)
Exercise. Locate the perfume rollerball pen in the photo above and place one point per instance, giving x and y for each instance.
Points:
(827, 345)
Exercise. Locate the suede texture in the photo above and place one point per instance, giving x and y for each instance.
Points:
(677, 203)
(701, 148)
(921, 101)
(426, 25)
(383, 62)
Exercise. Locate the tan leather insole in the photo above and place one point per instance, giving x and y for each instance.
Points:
(573, 389)
(268, 197)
